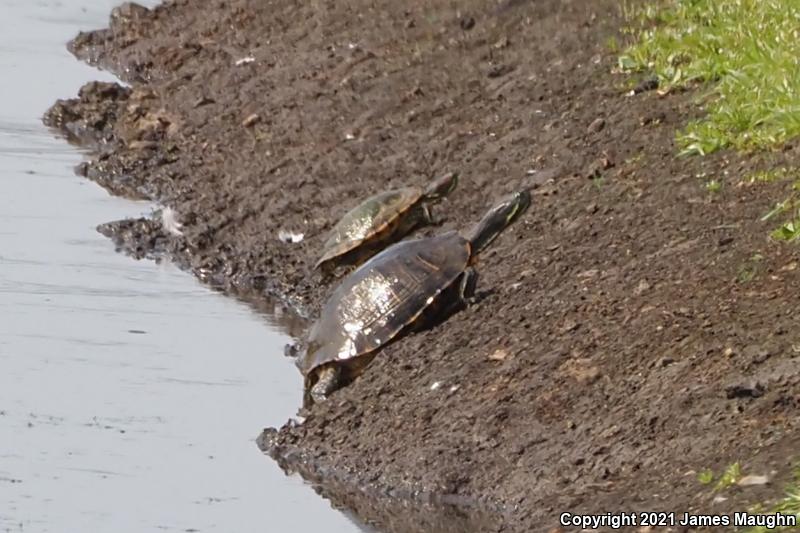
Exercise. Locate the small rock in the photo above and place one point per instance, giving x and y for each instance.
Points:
(203, 100)
(290, 350)
(597, 125)
(666, 361)
(244, 61)
(499, 70)
(267, 442)
(290, 237)
(597, 167)
(728, 352)
(142, 145)
(502, 43)
(607, 434)
(82, 169)
(748, 481)
(415, 91)
(251, 120)
(541, 177)
(591, 209)
(127, 12)
(641, 287)
(589, 376)
(650, 84)
(436, 385)
(467, 23)
(569, 325)
(744, 390)
(498, 355)
(296, 421)
(655, 119)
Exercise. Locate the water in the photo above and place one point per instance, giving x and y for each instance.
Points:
(130, 396)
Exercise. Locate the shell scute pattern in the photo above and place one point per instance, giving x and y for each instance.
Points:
(368, 219)
(384, 295)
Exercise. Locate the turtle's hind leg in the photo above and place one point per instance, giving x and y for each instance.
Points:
(328, 380)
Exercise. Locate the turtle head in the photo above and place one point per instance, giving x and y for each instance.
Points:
(497, 219)
(441, 187)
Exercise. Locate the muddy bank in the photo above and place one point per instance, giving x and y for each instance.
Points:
(634, 327)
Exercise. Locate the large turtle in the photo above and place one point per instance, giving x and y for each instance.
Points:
(380, 220)
(401, 288)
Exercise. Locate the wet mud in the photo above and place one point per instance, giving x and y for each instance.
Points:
(633, 327)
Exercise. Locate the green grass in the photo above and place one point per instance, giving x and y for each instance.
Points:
(789, 230)
(731, 476)
(745, 51)
(713, 185)
(789, 505)
(768, 176)
(706, 476)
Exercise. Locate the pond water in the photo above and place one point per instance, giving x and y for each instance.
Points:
(130, 396)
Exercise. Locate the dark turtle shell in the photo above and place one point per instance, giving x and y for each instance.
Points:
(374, 216)
(386, 294)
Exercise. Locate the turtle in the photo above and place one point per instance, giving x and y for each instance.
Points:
(404, 288)
(380, 220)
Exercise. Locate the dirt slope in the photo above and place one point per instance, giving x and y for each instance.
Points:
(633, 326)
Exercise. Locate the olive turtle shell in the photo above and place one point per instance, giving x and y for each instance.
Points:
(388, 292)
(368, 219)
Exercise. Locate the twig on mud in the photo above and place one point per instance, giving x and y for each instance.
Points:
(726, 226)
(273, 169)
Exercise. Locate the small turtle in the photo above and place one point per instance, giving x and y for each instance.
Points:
(400, 289)
(380, 220)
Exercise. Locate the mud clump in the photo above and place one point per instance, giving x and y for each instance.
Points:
(594, 373)
(147, 238)
(89, 120)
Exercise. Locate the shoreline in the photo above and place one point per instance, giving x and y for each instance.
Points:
(594, 372)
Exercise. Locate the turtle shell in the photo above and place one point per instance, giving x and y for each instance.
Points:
(369, 219)
(384, 295)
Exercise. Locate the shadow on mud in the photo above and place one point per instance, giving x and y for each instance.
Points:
(372, 510)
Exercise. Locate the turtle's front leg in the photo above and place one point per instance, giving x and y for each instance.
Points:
(467, 285)
(427, 216)
(327, 382)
